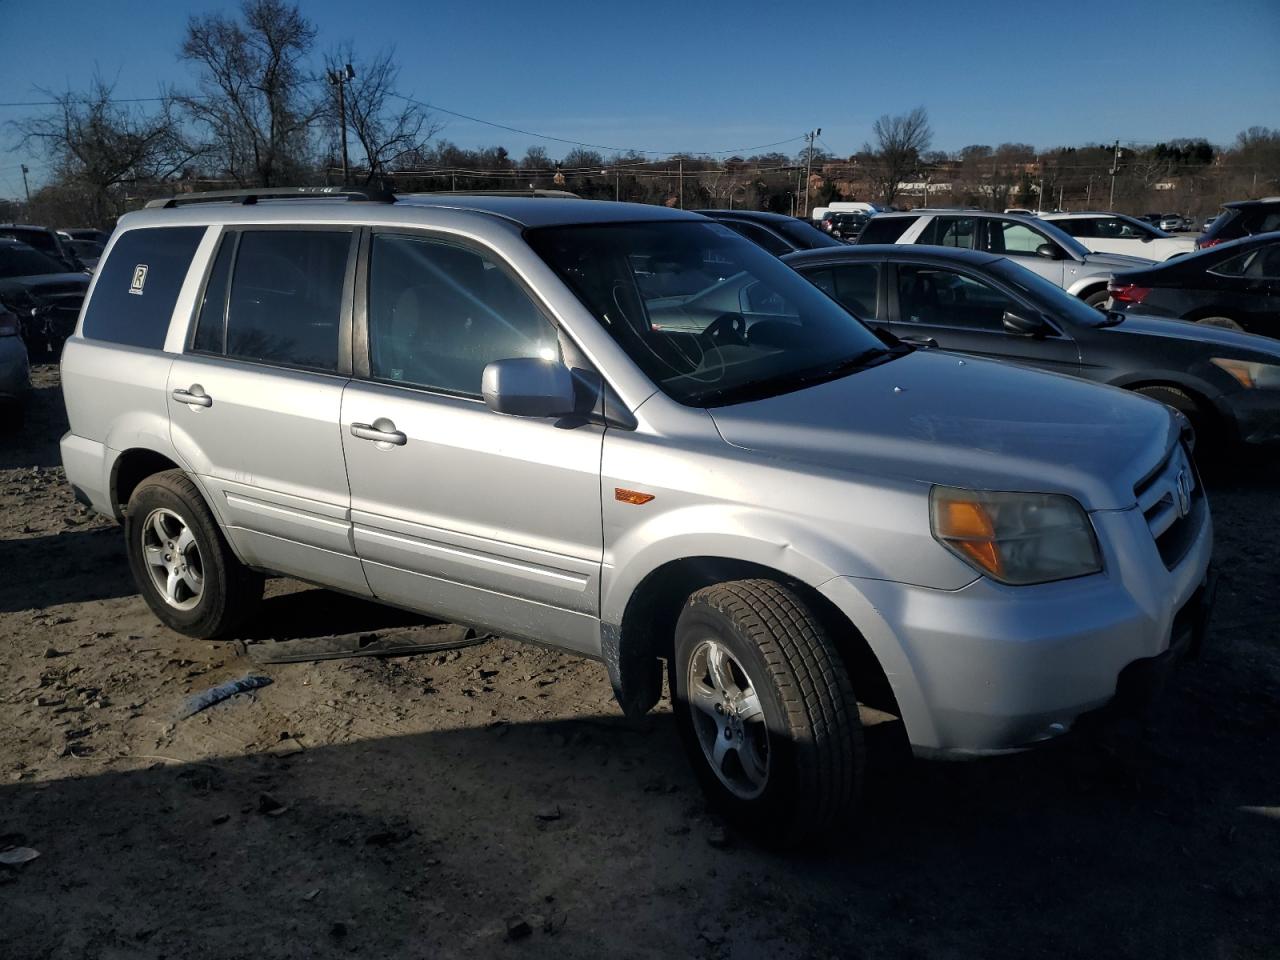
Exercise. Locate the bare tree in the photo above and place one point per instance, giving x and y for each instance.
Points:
(899, 143)
(97, 146)
(387, 126)
(252, 100)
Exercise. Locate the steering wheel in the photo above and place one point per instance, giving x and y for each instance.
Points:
(728, 328)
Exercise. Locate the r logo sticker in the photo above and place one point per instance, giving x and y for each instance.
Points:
(139, 279)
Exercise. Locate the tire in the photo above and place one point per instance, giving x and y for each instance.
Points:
(1184, 403)
(182, 564)
(803, 720)
(1098, 299)
(1225, 322)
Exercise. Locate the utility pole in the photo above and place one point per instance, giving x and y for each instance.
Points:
(340, 79)
(809, 137)
(682, 183)
(28, 189)
(1115, 168)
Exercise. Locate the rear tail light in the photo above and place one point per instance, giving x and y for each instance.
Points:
(1128, 292)
(9, 324)
(1206, 244)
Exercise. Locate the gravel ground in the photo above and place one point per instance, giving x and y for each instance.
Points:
(491, 801)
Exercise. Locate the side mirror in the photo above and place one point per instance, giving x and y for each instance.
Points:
(1049, 251)
(528, 387)
(1023, 326)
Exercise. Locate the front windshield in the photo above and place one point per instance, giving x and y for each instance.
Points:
(710, 317)
(1050, 295)
(19, 260)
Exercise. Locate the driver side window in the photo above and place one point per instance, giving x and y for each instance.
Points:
(440, 312)
(941, 297)
(1011, 237)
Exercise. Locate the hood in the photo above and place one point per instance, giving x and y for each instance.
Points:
(1235, 342)
(1117, 261)
(936, 417)
(52, 288)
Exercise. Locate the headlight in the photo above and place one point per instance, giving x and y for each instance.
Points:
(1250, 375)
(1016, 538)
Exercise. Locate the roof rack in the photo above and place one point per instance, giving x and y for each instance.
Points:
(530, 192)
(254, 194)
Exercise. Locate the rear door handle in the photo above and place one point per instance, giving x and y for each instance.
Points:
(380, 431)
(920, 341)
(192, 397)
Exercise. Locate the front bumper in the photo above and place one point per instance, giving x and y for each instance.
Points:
(1257, 415)
(989, 668)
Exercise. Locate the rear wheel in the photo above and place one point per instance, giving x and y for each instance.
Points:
(1225, 322)
(182, 564)
(1098, 299)
(766, 711)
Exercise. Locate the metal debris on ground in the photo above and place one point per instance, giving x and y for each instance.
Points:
(223, 691)
(445, 636)
(16, 856)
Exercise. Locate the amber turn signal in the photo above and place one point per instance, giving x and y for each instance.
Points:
(623, 495)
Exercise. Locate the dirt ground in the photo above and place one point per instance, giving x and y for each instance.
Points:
(413, 807)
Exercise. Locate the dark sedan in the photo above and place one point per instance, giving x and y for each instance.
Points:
(43, 293)
(1226, 383)
(776, 232)
(1234, 285)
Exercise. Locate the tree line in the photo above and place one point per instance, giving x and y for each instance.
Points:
(263, 107)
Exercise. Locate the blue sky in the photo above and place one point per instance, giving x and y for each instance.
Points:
(708, 77)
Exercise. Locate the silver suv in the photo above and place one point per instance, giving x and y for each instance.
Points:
(1036, 244)
(630, 433)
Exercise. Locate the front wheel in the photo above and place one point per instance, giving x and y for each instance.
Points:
(766, 711)
(181, 563)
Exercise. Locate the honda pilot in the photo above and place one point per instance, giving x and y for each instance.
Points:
(628, 432)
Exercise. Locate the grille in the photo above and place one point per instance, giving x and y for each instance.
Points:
(1171, 499)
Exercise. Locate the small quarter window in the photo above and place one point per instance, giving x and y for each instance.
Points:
(138, 286)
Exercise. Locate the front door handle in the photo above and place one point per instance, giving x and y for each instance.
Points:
(920, 341)
(380, 431)
(194, 396)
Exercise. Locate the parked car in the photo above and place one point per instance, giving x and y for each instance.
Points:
(463, 406)
(1152, 218)
(1038, 245)
(1170, 222)
(44, 240)
(43, 293)
(1208, 222)
(1242, 218)
(776, 232)
(86, 233)
(86, 251)
(15, 376)
(1116, 233)
(989, 306)
(844, 226)
(1234, 285)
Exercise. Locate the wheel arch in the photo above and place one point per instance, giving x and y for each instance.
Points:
(634, 647)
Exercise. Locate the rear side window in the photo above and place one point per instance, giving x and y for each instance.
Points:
(885, 229)
(949, 232)
(211, 328)
(285, 304)
(138, 286)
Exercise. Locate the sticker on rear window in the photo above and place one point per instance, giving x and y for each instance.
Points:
(139, 279)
